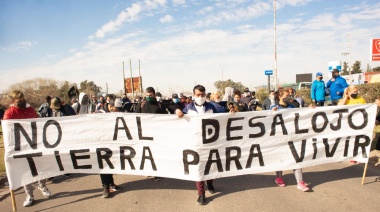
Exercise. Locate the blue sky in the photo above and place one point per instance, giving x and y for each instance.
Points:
(180, 42)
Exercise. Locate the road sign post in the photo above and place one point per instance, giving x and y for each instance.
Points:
(268, 73)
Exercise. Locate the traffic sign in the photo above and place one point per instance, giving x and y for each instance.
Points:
(268, 72)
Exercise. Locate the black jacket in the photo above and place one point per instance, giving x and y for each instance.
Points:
(147, 107)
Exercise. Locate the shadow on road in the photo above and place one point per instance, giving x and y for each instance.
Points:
(223, 186)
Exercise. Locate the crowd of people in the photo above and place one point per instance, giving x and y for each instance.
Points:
(199, 103)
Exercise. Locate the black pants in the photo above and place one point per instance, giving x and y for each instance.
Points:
(107, 179)
(320, 104)
(334, 102)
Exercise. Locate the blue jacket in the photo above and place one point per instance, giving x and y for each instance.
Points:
(317, 91)
(191, 107)
(336, 87)
(219, 108)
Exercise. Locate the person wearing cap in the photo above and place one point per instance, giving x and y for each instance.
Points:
(317, 91)
(175, 104)
(337, 84)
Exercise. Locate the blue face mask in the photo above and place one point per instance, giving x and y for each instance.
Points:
(175, 100)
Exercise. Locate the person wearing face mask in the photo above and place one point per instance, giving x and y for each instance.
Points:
(20, 110)
(215, 100)
(199, 106)
(175, 104)
(337, 84)
(150, 105)
(269, 101)
(291, 100)
(158, 97)
(236, 105)
(317, 91)
(351, 96)
(283, 104)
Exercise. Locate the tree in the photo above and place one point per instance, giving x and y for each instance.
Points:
(90, 88)
(356, 68)
(345, 69)
(64, 88)
(36, 90)
(221, 85)
(376, 69)
(369, 69)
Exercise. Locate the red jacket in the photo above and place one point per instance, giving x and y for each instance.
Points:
(19, 113)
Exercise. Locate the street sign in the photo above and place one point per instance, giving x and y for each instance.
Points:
(268, 72)
(375, 49)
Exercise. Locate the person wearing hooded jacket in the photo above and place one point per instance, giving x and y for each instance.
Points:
(82, 106)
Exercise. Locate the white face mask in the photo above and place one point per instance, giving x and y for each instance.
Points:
(199, 100)
(158, 99)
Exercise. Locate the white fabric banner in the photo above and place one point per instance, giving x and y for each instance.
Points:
(193, 148)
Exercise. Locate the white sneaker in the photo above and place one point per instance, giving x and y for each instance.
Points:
(45, 191)
(29, 201)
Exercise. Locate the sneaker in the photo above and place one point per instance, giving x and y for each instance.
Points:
(210, 188)
(353, 162)
(280, 181)
(29, 201)
(201, 200)
(157, 178)
(302, 186)
(45, 191)
(106, 191)
(114, 188)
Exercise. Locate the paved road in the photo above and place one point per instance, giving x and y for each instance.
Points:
(335, 187)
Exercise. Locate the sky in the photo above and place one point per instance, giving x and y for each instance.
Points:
(180, 43)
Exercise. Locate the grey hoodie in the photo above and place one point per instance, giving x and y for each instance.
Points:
(82, 104)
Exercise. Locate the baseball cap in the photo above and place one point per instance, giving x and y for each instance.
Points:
(174, 96)
(319, 74)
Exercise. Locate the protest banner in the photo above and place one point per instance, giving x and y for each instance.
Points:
(192, 148)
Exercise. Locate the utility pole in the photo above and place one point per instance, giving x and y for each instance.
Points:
(275, 47)
(349, 58)
(133, 90)
(125, 89)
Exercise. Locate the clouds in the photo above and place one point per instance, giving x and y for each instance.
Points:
(20, 46)
(128, 15)
(166, 19)
(182, 42)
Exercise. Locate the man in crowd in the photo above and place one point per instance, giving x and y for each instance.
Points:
(19, 110)
(317, 91)
(199, 106)
(82, 106)
(291, 99)
(150, 105)
(44, 110)
(269, 101)
(336, 84)
(215, 100)
(175, 104)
